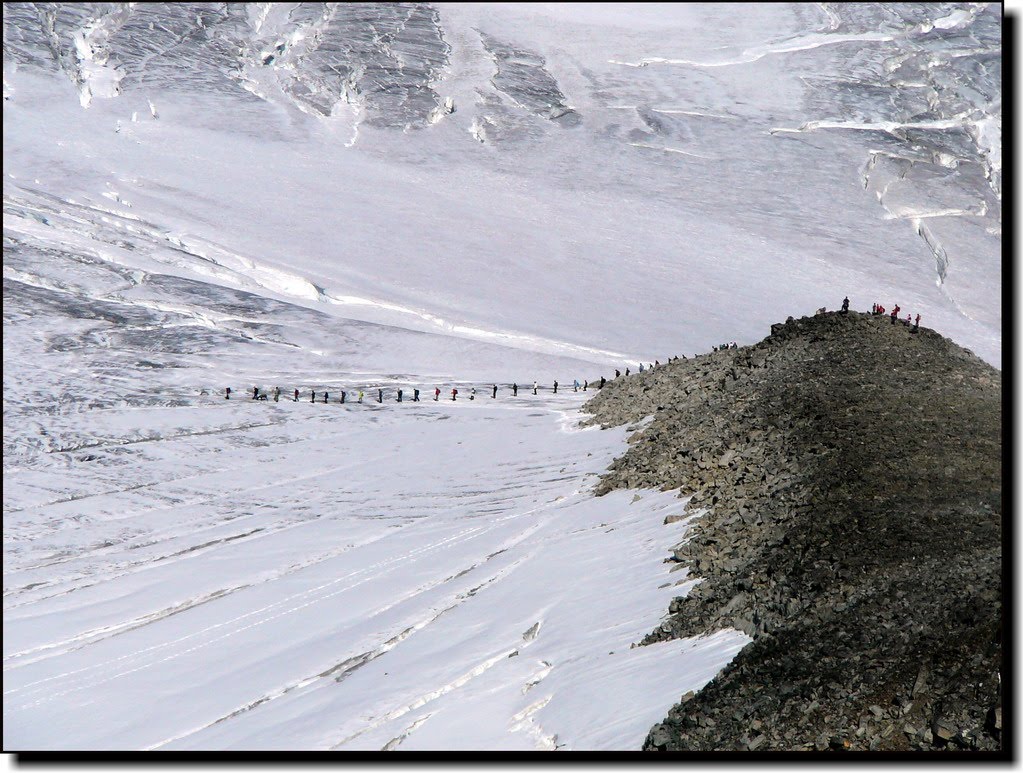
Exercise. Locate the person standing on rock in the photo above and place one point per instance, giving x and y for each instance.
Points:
(895, 314)
(534, 387)
(602, 382)
(845, 305)
(627, 372)
(617, 373)
(586, 385)
(641, 367)
(916, 323)
(492, 396)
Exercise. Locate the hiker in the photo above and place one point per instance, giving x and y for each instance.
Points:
(296, 395)
(263, 396)
(555, 386)
(575, 383)
(873, 308)
(399, 395)
(277, 394)
(845, 305)
(714, 348)
(312, 398)
(657, 363)
(916, 323)
(895, 314)
(492, 396)
(380, 395)
(415, 395)
(626, 371)
(617, 373)
(227, 394)
(454, 394)
(641, 367)
(472, 394)
(255, 392)
(515, 390)
(360, 396)
(586, 385)
(602, 382)
(436, 394)
(534, 387)
(325, 396)
(909, 318)
(342, 397)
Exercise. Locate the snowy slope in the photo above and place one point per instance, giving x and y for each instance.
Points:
(299, 576)
(331, 196)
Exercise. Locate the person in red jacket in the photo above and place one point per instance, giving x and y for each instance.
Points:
(436, 394)
(454, 393)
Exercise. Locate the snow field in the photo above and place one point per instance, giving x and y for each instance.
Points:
(417, 576)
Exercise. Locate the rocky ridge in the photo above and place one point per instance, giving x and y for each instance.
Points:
(845, 512)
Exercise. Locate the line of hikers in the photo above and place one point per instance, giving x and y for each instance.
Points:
(878, 310)
(359, 395)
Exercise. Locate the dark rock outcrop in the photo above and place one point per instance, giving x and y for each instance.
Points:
(850, 470)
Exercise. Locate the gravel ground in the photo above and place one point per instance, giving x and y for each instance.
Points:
(848, 472)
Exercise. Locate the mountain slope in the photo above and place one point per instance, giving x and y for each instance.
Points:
(846, 481)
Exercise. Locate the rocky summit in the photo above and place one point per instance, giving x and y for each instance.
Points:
(845, 512)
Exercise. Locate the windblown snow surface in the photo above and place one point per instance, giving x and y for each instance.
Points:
(330, 196)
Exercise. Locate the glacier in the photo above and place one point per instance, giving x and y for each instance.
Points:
(330, 196)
